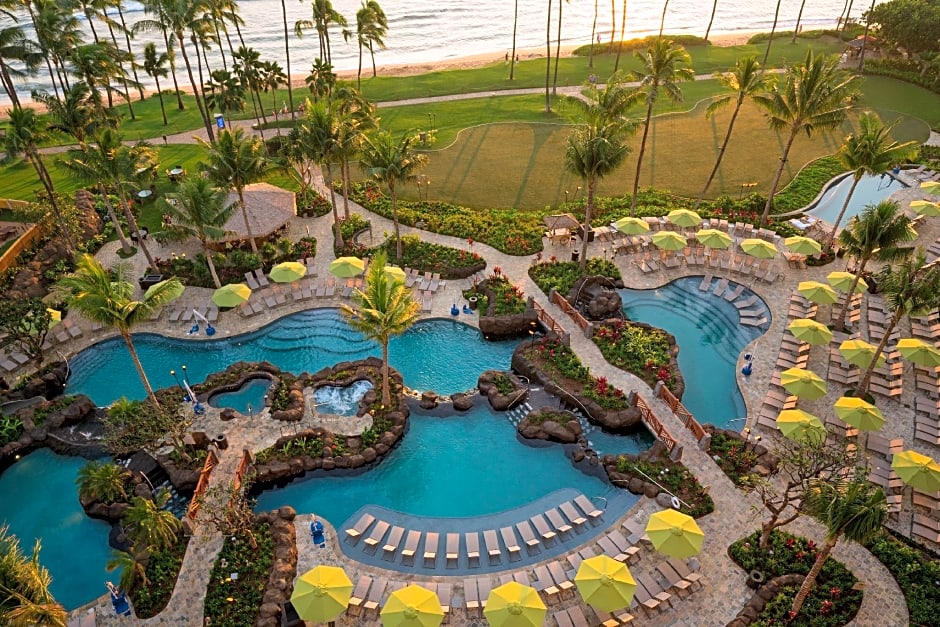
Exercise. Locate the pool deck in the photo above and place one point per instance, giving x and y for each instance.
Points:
(724, 592)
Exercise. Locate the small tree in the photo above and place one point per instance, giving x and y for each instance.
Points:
(102, 481)
(26, 323)
(131, 426)
(229, 511)
(133, 566)
(149, 524)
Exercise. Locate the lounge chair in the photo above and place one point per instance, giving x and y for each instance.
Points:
(541, 526)
(560, 577)
(365, 521)
(673, 580)
(544, 583)
(483, 589)
(262, 279)
(685, 572)
(378, 532)
(558, 522)
(452, 548)
(359, 594)
(578, 619)
(510, 540)
(376, 592)
(492, 543)
(471, 595)
(472, 540)
(562, 619)
(587, 507)
(431, 543)
(251, 281)
(394, 540)
(411, 545)
(569, 510)
(706, 283)
(444, 591)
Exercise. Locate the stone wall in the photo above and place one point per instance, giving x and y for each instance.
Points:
(283, 570)
(34, 436)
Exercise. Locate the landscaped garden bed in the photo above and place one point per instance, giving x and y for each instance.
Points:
(739, 457)
(503, 308)
(162, 569)
(637, 474)
(450, 263)
(917, 574)
(562, 275)
(236, 600)
(645, 351)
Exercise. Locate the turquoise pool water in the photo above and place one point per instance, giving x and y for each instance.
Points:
(341, 400)
(710, 340)
(249, 399)
(471, 464)
(871, 190)
(441, 355)
(38, 499)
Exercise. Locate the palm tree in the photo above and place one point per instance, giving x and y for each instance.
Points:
(815, 96)
(773, 29)
(199, 211)
(102, 481)
(746, 79)
(662, 20)
(665, 64)
(233, 162)
(875, 234)
(149, 524)
(371, 28)
(593, 152)
(799, 18)
(910, 288)
(593, 31)
(384, 308)
(106, 298)
(854, 510)
(548, 56)
(73, 113)
(246, 64)
(97, 66)
(154, 66)
(24, 584)
(392, 162)
(512, 55)
(869, 151)
(290, 87)
(133, 566)
(711, 19)
(224, 92)
(321, 80)
(623, 30)
(272, 76)
(318, 136)
(156, 7)
(356, 117)
(557, 48)
(14, 46)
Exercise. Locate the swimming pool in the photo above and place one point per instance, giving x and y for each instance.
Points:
(340, 400)
(248, 399)
(441, 355)
(710, 339)
(74, 546)
(871, 190)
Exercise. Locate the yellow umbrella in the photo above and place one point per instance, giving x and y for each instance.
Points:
(631, 226)
(347, 267)
(231, 295)
(605, 583)
(684, 218)
(713, 238)
(412, 606)
(800, 426)
(394, 273)
(931, 187)
(321, 594)
(803, 383)
(859, 413)
(810, 331)
(842, 281)
(669, 240)
(802, 245)
(514, 605)
(819, 293)
(859, 353)
(55, 316)
(287, 272)
(919, 352)
(758, 248)
(675, 534)
(173, 291)
(926, 208)
(916, 470)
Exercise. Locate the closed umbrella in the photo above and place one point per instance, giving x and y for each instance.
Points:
(605, 583)
(514, 605)
(800, 426)
(919, 352)
(394, 273)
(713, 238)
(684, 218)
(758, 248)
(803, 383)
(859, 353)
(174, 292)
(842, 281)
(926, 208)
(859, 413)
(916, 470)
(347, 267)
(321, 594)
(287, 272)
(675, 534)
(631, 226)
(810, 331)
(802, 245)
(817, 292)
(669, 240)
(930, 187)
(231, 295)
(412, 606)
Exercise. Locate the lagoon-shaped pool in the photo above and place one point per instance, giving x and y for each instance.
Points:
(871, 189)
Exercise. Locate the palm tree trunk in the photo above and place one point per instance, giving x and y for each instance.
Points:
(359, 69)
(557, 49)
(810, 580)
(840, 323)
(336, 227)
(845, 5)
(192, 83)
(548, 57)
(208, 253)
(861, 55)
(773, 29)
(46, 180)
(241, 203)
(799, 18)
(515, 24)
(848, 14)
(375, 71)
(721, 152)
(662, 20)
(345, 171)
(290, 88)
(590, 183)
(711, 19)
(856, 178)
(125, 245)
(386, 388)
(593, 33)
(127, 92)
(391, 189)
(777, 176)
(160, 96)
(862, 389)
(132, 223)
(8, 85)
(613, 25)
(623, 30)
(130, 51)
(140, 367)
(639, 157)
(172, 58)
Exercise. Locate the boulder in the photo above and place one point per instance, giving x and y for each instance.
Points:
(461, 401)
(428, 400)
(369, 455)
(577, 454)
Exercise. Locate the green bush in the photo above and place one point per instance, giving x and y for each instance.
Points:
(562, 275)
(163, 568)
(11, 428)
(507, 298)
(304, 445)
(904, 70)
(807, 184)
(430, 257)
(41, 413)
(917, 576)
(280, 396)
(637, 349)
(734, 457)
(673, 476)
(237, 601)
(629, 45)
(562, 364)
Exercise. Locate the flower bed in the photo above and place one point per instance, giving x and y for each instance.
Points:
(560, 362)
(231, 601)
(163, 568)
(831, 603)
(673, 476)
(562, 275)
(639, 349)
(917, 576)
(734, 457)
(350, 228)
(451, 263)
(507, 299)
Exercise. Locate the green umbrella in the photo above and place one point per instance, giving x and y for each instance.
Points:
(930, 187)
(347, 267)
(817, 292)
(926, 208)
(758, 248)
(919, 352)
(803, 383)
(175, 292)
(412, 606)
(859, 353)
(631, 226)
(394, 273)
(810, 331)
(514, 605)
(842, 281)
(231, 295)
(802, 245)
(916, 470)
(321, 594)
(713, 238)
(800, 426)
(605, 583)
(859, 413)
(287, 272)
(684, 218)
(669, 240)
(675, 534)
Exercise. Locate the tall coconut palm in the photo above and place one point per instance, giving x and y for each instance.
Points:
(815, 96)
(233, 162)
(290, 87)
(382, 309)
(24, 584)
(200, 211)
(623, 31)
(127, 32)
(593, 32)
(356, 118)
(319, 136)
(851, 510)
(910, 288)
(548, 57)
(773, 29)
(876, 234)
(106, 297)
(662, 20)
(869, 151)
(272, 76)
(224, 92)
(321, 80)
(73, 113)
(15, 47)
(665, 64)
(511, 59)
(391, 162)
(247, 65)
(799, 19)
(97, 66)
(155, 7)
(371, 28)
(149, 524)
(557, 48)
(745, 80)
(711, 20)
(155, 67)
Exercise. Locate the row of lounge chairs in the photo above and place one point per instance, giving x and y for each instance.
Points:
(12, 358)
(187, 313)
(427, 282)
(738, 263)
(927, 383)
(793, 354)
(256, 279)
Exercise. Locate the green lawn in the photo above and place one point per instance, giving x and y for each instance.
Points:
(887, 94)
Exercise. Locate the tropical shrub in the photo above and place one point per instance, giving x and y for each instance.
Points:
(280, 395)
(349, 227)
(430, 257)
(733, 456)
(41, 413)
(163, 568)
(904, 70)
(673, 476)
(807, 184)
(311, 445)
(562, 275)
(637, 44)
(236, 601)
(11, 428)
(563, 366)
(637, 349)
(917, 576)
(507, 298)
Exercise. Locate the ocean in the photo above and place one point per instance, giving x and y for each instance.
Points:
(446, 29)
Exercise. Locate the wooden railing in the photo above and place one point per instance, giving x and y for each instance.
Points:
(653, 424)
(573, 313)
(241, 470)
(546, 319)
(211, 462)
(681, 412)
(25, 241)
